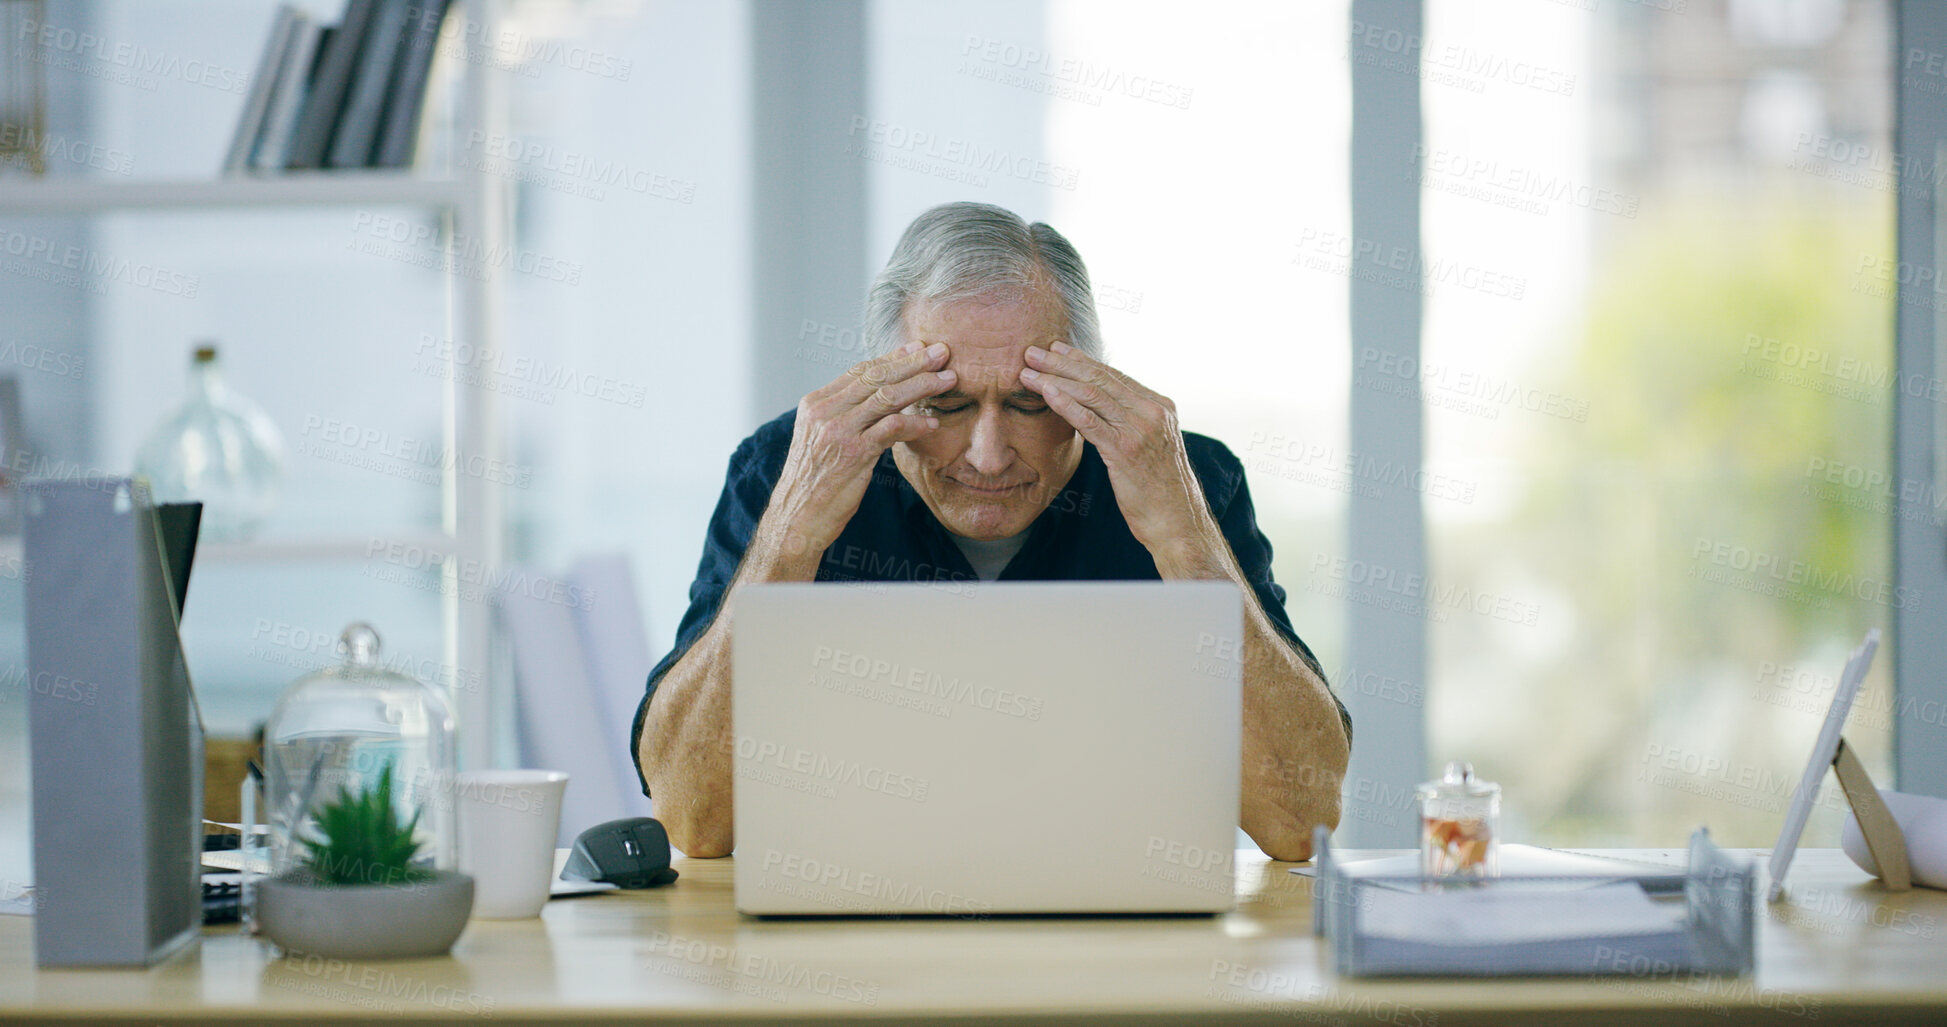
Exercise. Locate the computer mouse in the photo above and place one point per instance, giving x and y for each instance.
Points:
(629, 853)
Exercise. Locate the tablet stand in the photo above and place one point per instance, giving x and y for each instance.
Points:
(1876, 823)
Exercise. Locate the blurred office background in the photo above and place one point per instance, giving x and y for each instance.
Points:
(1637, 217)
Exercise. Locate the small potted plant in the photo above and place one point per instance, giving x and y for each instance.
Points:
(361, 891)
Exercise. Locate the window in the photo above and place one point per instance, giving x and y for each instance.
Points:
(1662, 366)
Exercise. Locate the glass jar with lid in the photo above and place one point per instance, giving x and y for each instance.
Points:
(336, 731)
(1459, 824)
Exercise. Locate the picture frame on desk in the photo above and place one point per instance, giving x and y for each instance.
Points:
(1882, 832)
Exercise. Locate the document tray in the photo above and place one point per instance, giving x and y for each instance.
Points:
(1405, 925)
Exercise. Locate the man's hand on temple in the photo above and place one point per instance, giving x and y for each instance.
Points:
(841, 430)
(1136, 432)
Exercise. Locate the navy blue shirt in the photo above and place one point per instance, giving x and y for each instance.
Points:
(1081, 536)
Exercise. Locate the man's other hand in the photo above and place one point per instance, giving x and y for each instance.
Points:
(841, 430)
(1136, 432)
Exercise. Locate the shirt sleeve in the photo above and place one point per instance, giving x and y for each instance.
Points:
(1222, 477)
(753, 472)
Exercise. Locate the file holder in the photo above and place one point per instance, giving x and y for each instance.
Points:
(116, 738)
(1716, 934)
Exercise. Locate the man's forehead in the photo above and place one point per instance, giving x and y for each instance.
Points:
(988, 336)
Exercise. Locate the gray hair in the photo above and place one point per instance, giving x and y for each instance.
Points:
(963, 250)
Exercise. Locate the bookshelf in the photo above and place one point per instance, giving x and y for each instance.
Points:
(291, 189)
(471, 203)
(301, 549)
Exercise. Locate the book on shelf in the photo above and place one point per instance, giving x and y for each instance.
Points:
(287, 97)
(405, 102)
(319, 119)
(257, 102)
(358, 122)
(349, 95)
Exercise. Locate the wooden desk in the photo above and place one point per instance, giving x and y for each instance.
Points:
(1840, 951)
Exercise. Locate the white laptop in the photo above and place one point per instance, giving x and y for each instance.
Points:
(967, 749)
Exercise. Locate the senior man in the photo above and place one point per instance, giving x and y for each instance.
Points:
(987, 439)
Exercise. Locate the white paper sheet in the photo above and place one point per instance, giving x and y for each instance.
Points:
(1490, 916)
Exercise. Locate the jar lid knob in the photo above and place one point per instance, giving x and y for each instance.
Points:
(1458, 772)
(360, 644)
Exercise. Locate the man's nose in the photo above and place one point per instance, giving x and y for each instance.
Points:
(988, 450)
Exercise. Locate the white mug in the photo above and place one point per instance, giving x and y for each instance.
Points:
(508, 821)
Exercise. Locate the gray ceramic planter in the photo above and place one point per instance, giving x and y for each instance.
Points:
(365, 921)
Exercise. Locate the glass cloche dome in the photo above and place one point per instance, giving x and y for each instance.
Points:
(337, 731)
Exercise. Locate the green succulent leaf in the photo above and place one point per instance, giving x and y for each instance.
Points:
(361, 840)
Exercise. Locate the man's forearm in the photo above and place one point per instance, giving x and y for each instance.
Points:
(1295, 749)
(687, 737)
(686, 745)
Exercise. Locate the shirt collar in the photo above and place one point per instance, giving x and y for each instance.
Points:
(1087, 487)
